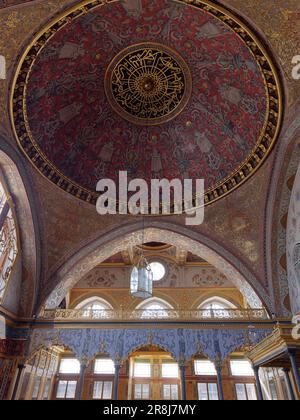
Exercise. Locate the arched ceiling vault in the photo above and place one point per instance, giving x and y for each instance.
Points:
(130, 235)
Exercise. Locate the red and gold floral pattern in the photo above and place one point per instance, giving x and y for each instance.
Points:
(74, 137)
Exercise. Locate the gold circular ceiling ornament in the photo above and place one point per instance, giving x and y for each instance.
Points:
(148, 84)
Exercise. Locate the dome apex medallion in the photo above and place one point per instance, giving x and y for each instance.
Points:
(148, 84)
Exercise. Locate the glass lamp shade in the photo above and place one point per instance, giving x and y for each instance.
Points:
(141, 284)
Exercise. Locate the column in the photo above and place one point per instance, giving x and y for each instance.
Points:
(79, 388)
(258, 384)
(295, 368)
(289, 383)
(15, 393)
(116, 381)
(218, 366)
(182, 377)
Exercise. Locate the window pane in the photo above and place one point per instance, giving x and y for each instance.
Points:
(170, 370)
(2, 197)
(158, 271)
(251, 392)
(8, 251)
(61, 389)
(71, 390)
(273, 390)
(205, 368)
(104, 367)
(146, 391)
(241, 368)
(213, 392)
(138, 392)
(174, 392)
(36, 388)
(202, 392)
(241, 392)
(47, 389)
(142, 370)
(107, 390)
(98, 388)
(167, 392)
(69, 366)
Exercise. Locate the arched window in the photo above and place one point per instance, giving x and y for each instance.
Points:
(95, 307)
(154, 308)
(216, 307)
(8, 239)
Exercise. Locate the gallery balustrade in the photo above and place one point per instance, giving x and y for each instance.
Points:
(154, 314)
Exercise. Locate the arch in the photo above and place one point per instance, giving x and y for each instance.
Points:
(154, 231)
(158, 348)
(219, 300)
(293, 246)
(154, 300)
(20, 187)
(154, 308)
(93, 299)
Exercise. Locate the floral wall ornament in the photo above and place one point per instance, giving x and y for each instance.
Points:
(183, 344)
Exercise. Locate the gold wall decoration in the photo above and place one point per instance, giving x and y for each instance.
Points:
(148, 84)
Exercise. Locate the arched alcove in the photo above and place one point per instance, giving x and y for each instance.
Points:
(154, 231)
(27, 267)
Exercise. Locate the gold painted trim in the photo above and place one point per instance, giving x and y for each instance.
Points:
(188, 84)
(247, 169)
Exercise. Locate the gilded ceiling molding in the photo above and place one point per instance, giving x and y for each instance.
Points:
(245, 169)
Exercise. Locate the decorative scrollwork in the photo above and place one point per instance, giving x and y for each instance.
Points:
(148, 84)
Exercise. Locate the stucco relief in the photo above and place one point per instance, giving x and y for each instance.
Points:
(176, 276)
(71, 273)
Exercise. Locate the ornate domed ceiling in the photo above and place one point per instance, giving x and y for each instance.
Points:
(160, 89)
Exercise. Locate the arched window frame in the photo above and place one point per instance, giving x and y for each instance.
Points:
(225, 305)
(86, 306)
(9, 239)
(146, 312)
(91, 300)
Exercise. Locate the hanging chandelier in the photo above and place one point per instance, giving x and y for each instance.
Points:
(141, 282)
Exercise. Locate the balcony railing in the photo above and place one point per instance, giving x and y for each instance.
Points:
(157, 315)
